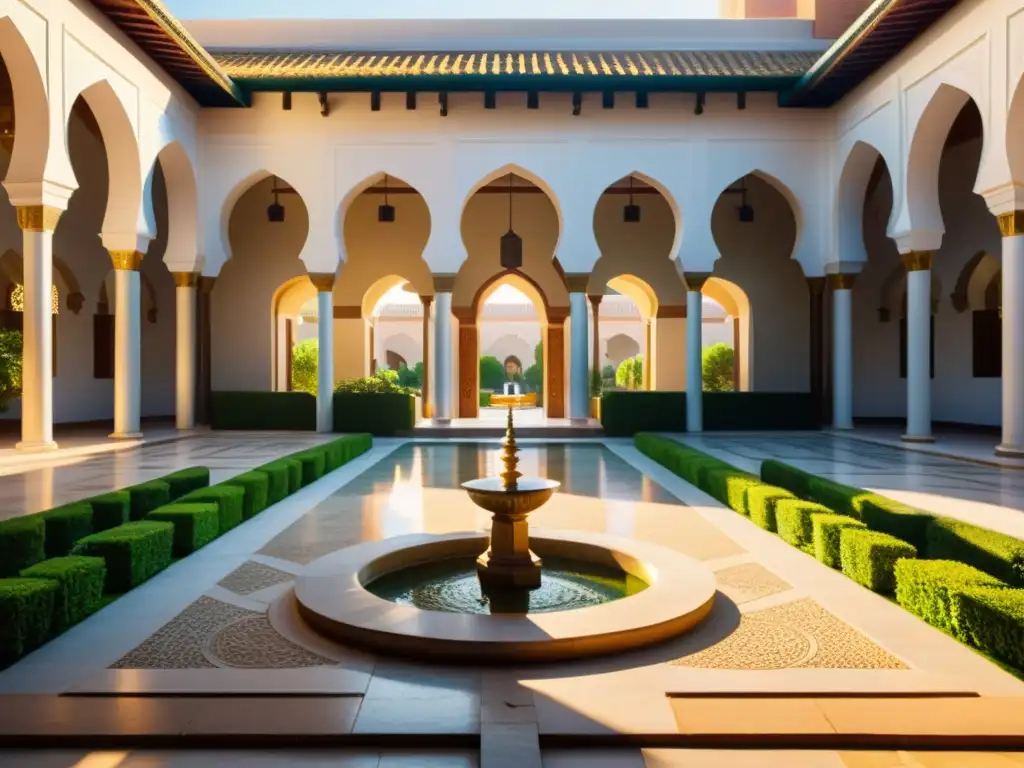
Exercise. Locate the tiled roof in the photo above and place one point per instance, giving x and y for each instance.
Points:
(384, 70)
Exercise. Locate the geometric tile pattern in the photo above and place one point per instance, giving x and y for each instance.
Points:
(252, 643)
(800, 634)
(252, 577)
(749, 581)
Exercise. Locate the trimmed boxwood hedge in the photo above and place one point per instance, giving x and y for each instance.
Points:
(79, 583)
(870, 557)
(263, 410)
(229, 500)
(22, 543)
(109, 510)
(992, 619)
(187, 480)
(626, 413)
(794, 523)
(66, 525)
(254, 486)
(195, 524)
(925, 588)
(134, 552)
(826, 533)
(761, 501)
(26, 613)
(294, 474)
(991, 551)
(384, 414)
(784, 476)
(314, 463)
(896, 519)
(145, 497)
(759, 411)
(276, 473)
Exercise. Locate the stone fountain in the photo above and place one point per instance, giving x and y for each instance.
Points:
(508, 563)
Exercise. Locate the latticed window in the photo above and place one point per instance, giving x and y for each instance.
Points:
(18, 299)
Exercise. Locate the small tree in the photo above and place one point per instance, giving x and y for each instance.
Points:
(534, 374)
(492, 373)
(411, 377)
(630, 373)
(10, 367)
(596, 383)
(717, 363)
(305, 361)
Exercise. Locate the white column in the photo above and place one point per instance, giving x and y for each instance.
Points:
(919, 318)
(442, 356)
(579, 381)
(694, 348)
(37, 223)
(324, 284)
(185, 350)
(1012, 227)
(842, 350)
(127, 344)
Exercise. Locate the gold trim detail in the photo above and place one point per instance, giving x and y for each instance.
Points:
(444, 284)
(577, 283)
(127, 260)
(38, 218)
(426, 301)
(322, 281)
(841, 281)
(917, 261)
(1010, 224)
(695, 280)
(185, 279)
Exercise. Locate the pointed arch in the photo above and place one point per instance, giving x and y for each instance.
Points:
(182, 207)
(639, 291)
(974, 282)
(31, 145)
(366, 184)
(1014, 132)
(784, 191)
(243, 187)
(855, 180)
(375, 292)
(522, 283)
(664, 193)
(736, 304)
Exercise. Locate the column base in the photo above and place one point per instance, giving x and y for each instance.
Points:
(442, 421)
(36, 447)
(917, 438)
(579, 421)
(1010, 451)
(124, 435)
(844, 427)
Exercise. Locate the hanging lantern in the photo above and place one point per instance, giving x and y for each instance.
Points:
(511, 243)
(631, 213)
(745, 211)
(386, 213)
(275, 211)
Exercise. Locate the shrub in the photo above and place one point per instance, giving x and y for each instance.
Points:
(727, 484)
(485, 399)
(109, 510)
(294, 473)
(276, 473)
(314, 462)
(305, 361)
(793, 520)
(840, 498)
(630, 373)
(134, 552)
(896, 519)
(195, 524)
(626, 413)
(228, 499)
(925, 588)
(379, 413)
(66, 525)
(263, 410)
(784, 476)
(492, 372)
(870, 557)
(10, 367)
(79, 591)
(992, 620)
(384, 382)
(26, 611)
(995, 553)
(759, 411)
(187, 480)
(826, 530)
(716, 365)
(255, 486)
(22, 543)
(761, 502)
(145, 497)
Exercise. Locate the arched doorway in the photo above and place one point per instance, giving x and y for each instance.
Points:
(511, 347)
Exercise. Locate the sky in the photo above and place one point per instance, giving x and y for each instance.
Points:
(444, 9)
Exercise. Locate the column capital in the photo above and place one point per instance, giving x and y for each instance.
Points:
(444, 283)
(38, 218)
(129, 261)
(841, 281)
(322, 281)
(1011, 224)
(816, 285)
(917, 261)
(695, 280)
(577, 282)
(185, 279)
(595, 299)
(426, 301)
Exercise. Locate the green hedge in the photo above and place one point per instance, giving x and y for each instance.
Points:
(228, 499)
(314, 463)
(784, 476)
(22, 543)
(254, 486)
(66, 525)
(793, 518)
(195, 524)
(992, 552)
(276, 473)
(263, 410)
(383, 414)
(925, 588)
(991, 619)
(826, 533)
(896, 519)
(294, 474)
(759, 411)
(626, 413)
(761, 501)
(869, 557)
(187, 480)
(109, 510)
(145, 497)
(26, 613)
(79, 591)
(485, 399)
(134, 552)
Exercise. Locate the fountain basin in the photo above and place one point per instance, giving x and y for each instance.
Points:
(332, 598)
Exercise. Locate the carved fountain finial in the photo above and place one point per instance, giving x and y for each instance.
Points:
(509, 458)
